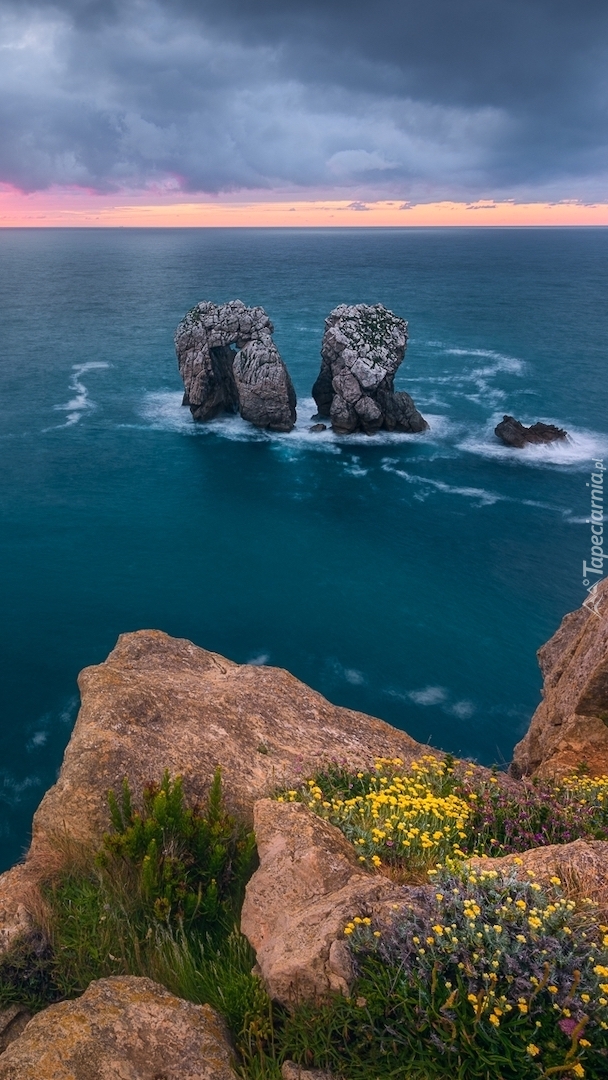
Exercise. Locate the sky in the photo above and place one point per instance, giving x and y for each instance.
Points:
(342, 112)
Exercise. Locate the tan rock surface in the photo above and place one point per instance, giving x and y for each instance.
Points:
(291, 1071)
(161, 702)
(122, 1029)
(570, 726)
(308, 886)
(15, 891)
(582, 865)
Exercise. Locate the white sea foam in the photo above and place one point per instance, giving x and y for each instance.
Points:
(354, 468)
(38, 739)
(462, 709)
(511, 364)
(571, 520)
(354, 677)
(258, 661)
(12, 790)
(350, 675)
(429, 695)
(163, 411)
(480, 495)
(473, 383)
(76, 406)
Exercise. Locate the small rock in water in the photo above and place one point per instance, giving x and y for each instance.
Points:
(513, 433)
(318, 427)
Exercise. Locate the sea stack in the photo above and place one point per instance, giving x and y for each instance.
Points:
(229, 363)
(363, 346)
(513, 433)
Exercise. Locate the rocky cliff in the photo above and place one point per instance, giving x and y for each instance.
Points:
(160, 702)
(361, 351)
(570, 726)
(229, 363)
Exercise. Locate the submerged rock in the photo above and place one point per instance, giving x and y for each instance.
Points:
(363, 346)
(513, 433)
(229, 363)
(570, 726)
(124, 1027)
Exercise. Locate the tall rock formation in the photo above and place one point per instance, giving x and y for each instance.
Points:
(570, 726)
(363, 346)
(229, 363)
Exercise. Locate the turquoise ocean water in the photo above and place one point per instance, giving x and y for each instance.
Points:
(412, 577)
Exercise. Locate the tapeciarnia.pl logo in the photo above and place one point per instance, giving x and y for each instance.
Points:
(593, 571)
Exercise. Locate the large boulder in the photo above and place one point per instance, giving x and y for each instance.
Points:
(570, 726)
(308, 886)
(159, 702)
(513, 433)
(363, 346)
(128, 1028)
(582, 866)
(229, 363)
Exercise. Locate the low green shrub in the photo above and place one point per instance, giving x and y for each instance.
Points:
(191, 864)
(163, 866)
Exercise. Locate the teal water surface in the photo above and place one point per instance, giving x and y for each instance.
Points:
(412, 577)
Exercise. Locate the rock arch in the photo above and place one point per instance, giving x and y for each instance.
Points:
(229, 363)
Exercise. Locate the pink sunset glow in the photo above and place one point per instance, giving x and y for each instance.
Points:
(78, 207)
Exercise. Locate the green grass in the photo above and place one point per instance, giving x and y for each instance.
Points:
(160, 898)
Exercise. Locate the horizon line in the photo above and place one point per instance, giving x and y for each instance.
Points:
(76, 208)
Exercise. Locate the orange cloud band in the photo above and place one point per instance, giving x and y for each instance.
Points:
(78, 208)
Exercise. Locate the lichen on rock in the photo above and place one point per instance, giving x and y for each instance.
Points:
(124, 1027)
(362, 349)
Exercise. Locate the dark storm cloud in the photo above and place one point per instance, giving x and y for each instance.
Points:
(503, 98)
